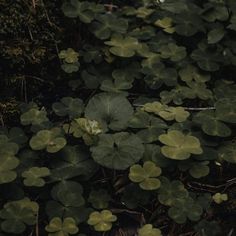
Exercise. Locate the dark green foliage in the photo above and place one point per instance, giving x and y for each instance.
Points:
(113, 111)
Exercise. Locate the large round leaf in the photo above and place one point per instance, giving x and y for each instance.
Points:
(73, 161)
(118, 151)
(112, 111)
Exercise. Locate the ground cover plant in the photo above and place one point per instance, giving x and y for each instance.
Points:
(117, 117)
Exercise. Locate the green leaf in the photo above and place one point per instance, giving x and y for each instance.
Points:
(227, 152)
(106, 24)
(69, 55)
(184, 209)
(110, 110)
(84, 10)
(57, 227)
(17, 214)
(69, 193)
(99, 199)
(166, 24)
(169, 192)
(208, 228)
(151, 127)
(123, 46)
(74, 161)
(173, 6)
(191, 73)
(70, 67)
(33, 176)
(219, 198)
(215, 35)
(179, 146)
(51, 140)
(168, 113)
(101, 221)
(211, 124)
(206, 60)
(196, 169)
(188, 24)
(72, 107)
(226, 110)
(173, 52)
(34, 117)
(149, 230)
(8, 164)
(146, 175)
(118, 151)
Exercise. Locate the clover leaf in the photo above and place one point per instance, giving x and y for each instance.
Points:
(173, 52)
(122, 80)
(151, 127)
(196, 89)
(57, 227)
(8, 164)
(110, 110)
(68, 201)
(220, 197)
(70, 67)
(227, 152)
(69, 193)
(169, 192)
(33, 176)
(160, 74)
(153, 153)
(69, 55)
(174, 113)
(146, 175)
(15, 135)
(117, 151)
(68, 106)
(34, 116)
(167, 112)
(8, 160)
(215, 35)
(51, 140)
(188, 24)
(196, 169)
(123, 46)
(99, 199)
(208, 228)
(179, 146)
(7, 146)
(154, 107)
(17, 214)
(149, 230)
(191, 73)
(211, 123)
(84, 10)
(206, 61)
(101, 221)
(106, 24)
(185, 208)
(226, 110)
(166, 24)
